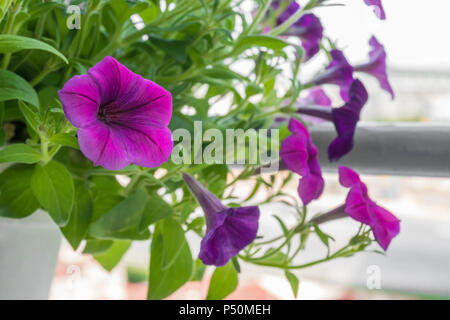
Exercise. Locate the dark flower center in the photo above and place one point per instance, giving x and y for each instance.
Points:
(106, 113)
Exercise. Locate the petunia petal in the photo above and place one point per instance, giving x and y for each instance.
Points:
(348, 177)
(385, 226)
(310, 31)
(376, 67)
(103, 146)
(145, 102)
(294, 152)
(359, 206)
(310, 187)
(80, 99)
(147, 146)
(345, 120)
(300, 155)
(377, 8)
(234, 229)
(338, 72)
(288, 12)
(107, 76)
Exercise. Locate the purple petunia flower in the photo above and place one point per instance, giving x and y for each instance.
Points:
(376, 67)
(228, 230)
(358, 205)
(344, 118)
(300, 155)
(287, 13)
(308, 28)
(377, 8)
(338, 72)
(310, 31)
(122, 117)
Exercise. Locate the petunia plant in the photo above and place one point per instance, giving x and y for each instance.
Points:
(101, 104)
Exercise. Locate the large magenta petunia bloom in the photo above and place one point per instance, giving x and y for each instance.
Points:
(376, 66)
(300, 155)
(358, 205)
(228, 230)
(338, 72)
(377, 8)
(345, 119)
(122, 117)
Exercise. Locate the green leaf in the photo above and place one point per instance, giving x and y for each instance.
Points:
(155, 209)
(162, 283)
(96, 246)
(53, 186)
(174, 48)
(48, 98)
(4, 6)
(111, 257)
(220, 72)
(30, 116)
(80, 218)
(2, 130)
(269, 42)
(223, 282)
(12, 43)
(236, 264)
(20, 153)
(293, 281)
(173, 236)
(16, 198)
(124, 220)
(65, 139)
(199, 270)
(14, 87)
(322, 235)
(105, 190)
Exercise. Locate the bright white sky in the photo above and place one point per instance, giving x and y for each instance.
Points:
(415, 33)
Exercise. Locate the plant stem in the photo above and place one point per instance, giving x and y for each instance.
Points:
(285, 25)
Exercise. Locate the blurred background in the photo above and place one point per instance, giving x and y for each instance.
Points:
(417, 265)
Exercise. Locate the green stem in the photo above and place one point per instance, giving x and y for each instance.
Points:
(8, 29)
(257, 20)
(134, 180)
(287, 24)
(44, 149)
(40, 76)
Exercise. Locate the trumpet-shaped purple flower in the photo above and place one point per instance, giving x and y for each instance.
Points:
(338, 72)
(377, 8)
(376, 66)
(310, 31)
(228, 230)
(308, 28)
(300, 155)
(122, 117)
(344, 118)
(358, 205)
